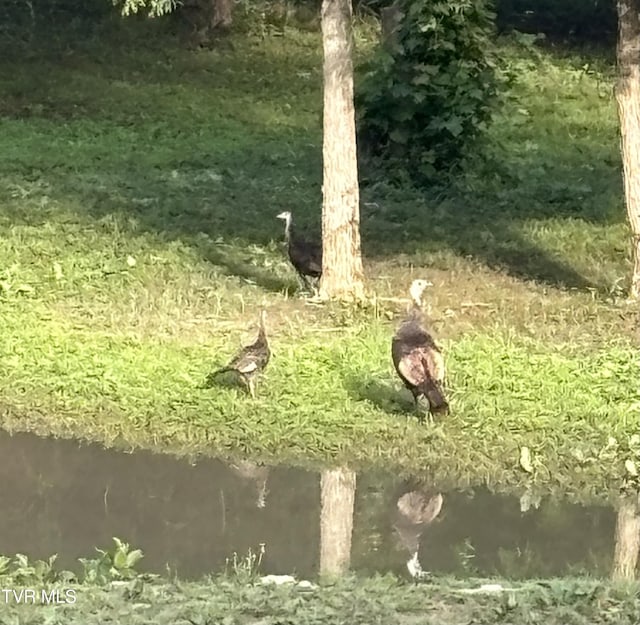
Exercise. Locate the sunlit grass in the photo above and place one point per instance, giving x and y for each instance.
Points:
(326, 393)
(138, 239)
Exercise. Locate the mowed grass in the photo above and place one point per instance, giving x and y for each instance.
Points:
(138, 240)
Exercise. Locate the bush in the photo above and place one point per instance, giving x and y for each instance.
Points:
(573, 21)
(429, 90)
(25, 24)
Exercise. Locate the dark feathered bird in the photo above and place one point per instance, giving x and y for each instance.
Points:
(305, 256)
(251, 360)
(417, 358)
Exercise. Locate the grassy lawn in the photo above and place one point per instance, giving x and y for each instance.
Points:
(138, 239)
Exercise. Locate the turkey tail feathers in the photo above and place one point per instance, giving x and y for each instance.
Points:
(432, 390)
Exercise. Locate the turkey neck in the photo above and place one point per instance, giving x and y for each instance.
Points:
(287, 229)
(415, 311)
(262, 334)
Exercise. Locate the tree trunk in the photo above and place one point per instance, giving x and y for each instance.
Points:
(390, 19)
(337, 495)
(625, 556)
(342, 275)
(628, 97)
(221, 15)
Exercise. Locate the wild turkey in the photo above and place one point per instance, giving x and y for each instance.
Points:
(417, 358)
(305, 256)
(415, 510)
(251, 360)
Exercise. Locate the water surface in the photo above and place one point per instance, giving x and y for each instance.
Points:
(59, 496)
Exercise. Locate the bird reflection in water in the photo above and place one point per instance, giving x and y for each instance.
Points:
(257, 473)
(415, 510)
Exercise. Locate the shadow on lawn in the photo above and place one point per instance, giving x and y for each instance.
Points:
(263, 277)
(269, 169)
(509, 251)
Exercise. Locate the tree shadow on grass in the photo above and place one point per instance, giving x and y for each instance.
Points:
(527, 263)
(238, 174)
(470, 232)
(513, 254)
(262, 277)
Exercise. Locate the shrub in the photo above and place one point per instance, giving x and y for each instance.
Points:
(429, 91)
(572, 21)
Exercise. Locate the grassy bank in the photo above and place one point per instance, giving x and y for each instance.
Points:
(111, 591)
(138, 239)
(377, 600)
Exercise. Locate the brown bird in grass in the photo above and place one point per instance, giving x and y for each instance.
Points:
(251, 360)
(305, 256)
(417, 358)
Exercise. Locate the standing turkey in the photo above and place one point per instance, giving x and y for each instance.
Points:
(305, 256)
(251, 360)
(417, 358)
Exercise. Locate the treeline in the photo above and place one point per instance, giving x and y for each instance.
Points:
(576, 21)
(571, 21)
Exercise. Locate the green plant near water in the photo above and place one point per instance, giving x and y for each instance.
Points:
(237, 599)
(23, 571)
(245, 568)
(116, 564)
(466, 554)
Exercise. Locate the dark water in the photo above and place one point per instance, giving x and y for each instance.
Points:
(61, 497)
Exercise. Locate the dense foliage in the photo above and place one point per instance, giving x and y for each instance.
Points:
(430, 90)
(585, 21)
(33, 20)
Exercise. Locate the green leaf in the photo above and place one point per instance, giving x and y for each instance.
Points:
(399, 135)
(134, 557)
(631, 468)
(525, 459)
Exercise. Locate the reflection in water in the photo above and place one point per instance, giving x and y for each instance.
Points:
(61, 497)
(625, 558)
(414, 511)
(482, 534)
(337, 492)
(258, 473)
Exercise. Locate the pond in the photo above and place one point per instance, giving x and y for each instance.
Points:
(60, 496)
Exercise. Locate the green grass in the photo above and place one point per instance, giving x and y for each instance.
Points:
(110, 589)
(138, 239)
(238, 597)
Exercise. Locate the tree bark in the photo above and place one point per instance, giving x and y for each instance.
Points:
(628, 97)
(342, 275)
(390, 19)
(222, 16)
(625, 558)
(337, 495)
